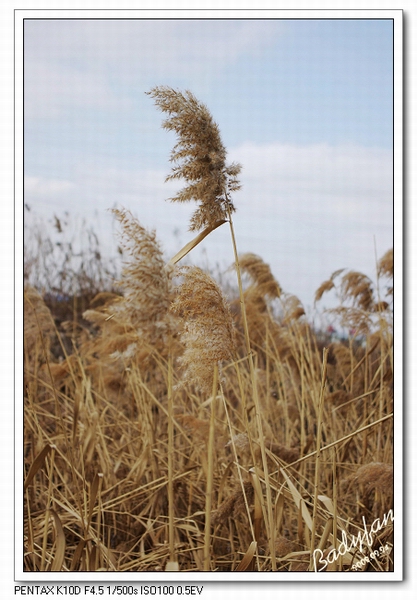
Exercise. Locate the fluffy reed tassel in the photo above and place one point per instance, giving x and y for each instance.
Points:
(386, 264)
(262, 290)
(326, 286)
(145, 281)
(386, 268)
(234, 504)
(38, 322)
(374, 485)
(208, 333)
(356, 294)
(293, 309)
(358, 287)
(200, 157)
(375, 476)
(260, 274)
(147, 287)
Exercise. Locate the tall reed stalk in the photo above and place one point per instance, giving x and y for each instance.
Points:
(269, 521)
(201, 161)
(317, 470)
(171, 449)
(210, 466)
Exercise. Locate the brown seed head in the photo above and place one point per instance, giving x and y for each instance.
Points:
(386, 264)
(208, 333)
(200, 157)
(260, 274)
(377, 476)
(324, 287)
(38, 321)
(145, 280)
(358, 287)
(293, 309)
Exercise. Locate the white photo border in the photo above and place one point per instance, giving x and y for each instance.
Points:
(164, 577)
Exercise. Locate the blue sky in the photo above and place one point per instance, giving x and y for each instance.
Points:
(304, 105)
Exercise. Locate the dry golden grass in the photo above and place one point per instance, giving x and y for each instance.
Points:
(97, 448)
(175, 428)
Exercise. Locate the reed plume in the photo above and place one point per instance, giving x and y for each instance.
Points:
(374, 485)
(200, 156)
(260, 275)
(386, 268)
(326, 286)
(146, 285)
(208, 333)
(39, 324)
(262, 289)
(386, 264)
(355, 291)
(358, 287)
(375, 476)
(234, 504)
(293, 309)
(354, 287)
(145, 281)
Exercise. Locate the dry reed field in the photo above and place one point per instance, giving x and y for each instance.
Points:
(171, 427)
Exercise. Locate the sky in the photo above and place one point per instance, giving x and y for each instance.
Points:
(305, 106)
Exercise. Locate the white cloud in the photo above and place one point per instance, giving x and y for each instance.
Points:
(38, 188)
(72, 64)
(311, 210)
(319, 167)
(161, 43)
(317, 183)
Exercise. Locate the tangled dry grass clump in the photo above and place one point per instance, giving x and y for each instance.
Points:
(171, 427)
